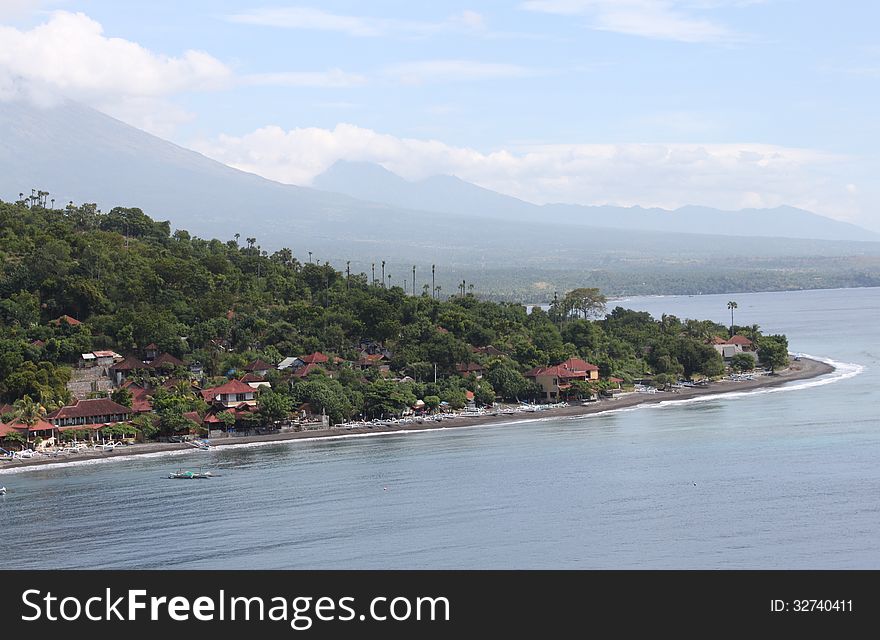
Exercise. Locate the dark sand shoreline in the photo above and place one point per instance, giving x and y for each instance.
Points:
(801, 370)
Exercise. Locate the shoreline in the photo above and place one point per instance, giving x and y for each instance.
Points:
(804, 369)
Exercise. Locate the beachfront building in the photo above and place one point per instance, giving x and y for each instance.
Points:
(732, 346)
(556, 380)
(231, 394)
(97, 411)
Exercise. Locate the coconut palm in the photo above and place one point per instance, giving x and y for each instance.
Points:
(731, 305)
(28, 412)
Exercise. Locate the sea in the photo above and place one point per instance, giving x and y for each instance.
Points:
(783, 478)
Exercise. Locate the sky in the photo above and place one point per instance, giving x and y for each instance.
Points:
(725, 103)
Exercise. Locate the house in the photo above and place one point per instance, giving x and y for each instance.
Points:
(98, 411)
(151, 352)
(258, 367)
(556, 380)
(231, 394)
(141, 397)
(312, 358)
(255, 381)
(287, 363)
(40, 429)
(65, 319)
(369, 360)
(302, 372)
(166, 361)
(121, 370)
(731, 347)
(468, 368)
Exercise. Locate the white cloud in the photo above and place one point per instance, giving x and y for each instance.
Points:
(13, 9)
(308, 18)
(659, 19)
(70, 57)
(729, 176)
(454, 70)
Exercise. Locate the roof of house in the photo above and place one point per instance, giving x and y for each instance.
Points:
(258, 365)
(252, 377)
(6, 408)
(557, 371)
(287, 362)
(167, 360)
(577, 364)
(442, 330)
(38, 343)
(302, 372)
(717, 340)
(468, 367)
(105, 354)
(6, 429)
(314, 358)
(67, 320)
(89, 409)
(194, 416)
(152, 346)
(370, 358)
(233, 386)
(130, 364)
(613, 379)
(740, 340)
(469, 395)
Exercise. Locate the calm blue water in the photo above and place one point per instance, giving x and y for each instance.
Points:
(788, 479)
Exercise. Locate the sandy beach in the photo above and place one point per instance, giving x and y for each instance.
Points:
(800, 370)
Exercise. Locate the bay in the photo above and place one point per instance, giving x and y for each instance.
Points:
(783, 478)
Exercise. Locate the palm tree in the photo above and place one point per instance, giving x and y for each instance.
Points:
(731, 305)
(28, 412)
(755, 332)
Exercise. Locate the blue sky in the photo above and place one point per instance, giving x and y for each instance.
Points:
(728, 103)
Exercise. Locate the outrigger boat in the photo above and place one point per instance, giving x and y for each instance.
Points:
(190, 475)
(2, 491)
(204, 445)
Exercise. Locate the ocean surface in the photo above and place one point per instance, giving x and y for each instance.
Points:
(788, 478)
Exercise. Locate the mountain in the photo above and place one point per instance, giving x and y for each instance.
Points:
(79, 154)
(449, 194)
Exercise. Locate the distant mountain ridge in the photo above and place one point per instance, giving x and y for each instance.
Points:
(77, 153)
(449, 194)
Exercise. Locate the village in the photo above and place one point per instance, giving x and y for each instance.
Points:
(113, 396)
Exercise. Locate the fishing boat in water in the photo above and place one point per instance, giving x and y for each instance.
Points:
(2, 491)
(190, 475)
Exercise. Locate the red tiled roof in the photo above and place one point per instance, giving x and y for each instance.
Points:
(314, 358)
(6, 408)
(258, 365)
(557, 370)
(740, 340)
(302, 372)
(38, 343)
(104, 354)
(152, 346)
(89, 409)
(130, 364)
(469, 395)
(166, 359)
(577, 364)
(717, 340)
(233, 386)
(140, 398)
(370, 358)
(6, 429)
(252, 377)
(612, 379)
(468, 367)
(442, 330)
(194, 416)
(67, 320)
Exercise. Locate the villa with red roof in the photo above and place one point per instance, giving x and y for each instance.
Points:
(231, 394)
(97, 411)
(731, 347)
(556, 380)
(258, 367)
